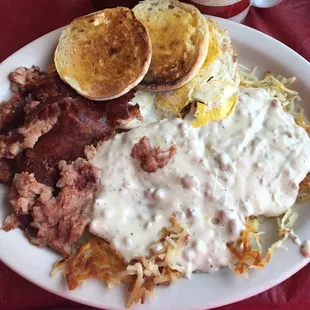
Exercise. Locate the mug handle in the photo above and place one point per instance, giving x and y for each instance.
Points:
(265, 3)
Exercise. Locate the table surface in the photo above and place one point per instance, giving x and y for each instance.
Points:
(23, 21)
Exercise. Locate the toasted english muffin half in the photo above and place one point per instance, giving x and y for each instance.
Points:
(179, 35)
(104, 54)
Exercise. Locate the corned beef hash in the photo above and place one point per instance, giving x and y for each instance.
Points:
(169, 178)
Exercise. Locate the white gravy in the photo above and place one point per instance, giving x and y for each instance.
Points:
(251, 163)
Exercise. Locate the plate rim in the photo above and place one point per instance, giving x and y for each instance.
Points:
(252, 292)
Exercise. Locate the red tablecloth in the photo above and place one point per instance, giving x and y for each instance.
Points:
(22, 21)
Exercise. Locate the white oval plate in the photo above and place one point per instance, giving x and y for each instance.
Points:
(203, 291)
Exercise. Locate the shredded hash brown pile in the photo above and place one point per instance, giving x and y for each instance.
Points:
(96, 259)
(247, 250)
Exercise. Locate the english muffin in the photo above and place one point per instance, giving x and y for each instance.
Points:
(104, 54)
(179, 36)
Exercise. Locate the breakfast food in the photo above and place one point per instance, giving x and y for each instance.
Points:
(201, 186)
(214, 89)
(96, 50)
(97, 259)
(54, 221)
(167, 182)
(151, 159)
(179, 37)
(48, 122)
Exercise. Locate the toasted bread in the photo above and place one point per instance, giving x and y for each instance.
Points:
(179, 35)
(104, 54)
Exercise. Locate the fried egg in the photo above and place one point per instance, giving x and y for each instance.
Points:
(214, 91)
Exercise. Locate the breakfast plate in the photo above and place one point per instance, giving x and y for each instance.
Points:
(203, 291)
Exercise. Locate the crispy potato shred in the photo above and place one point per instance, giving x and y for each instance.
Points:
(96, 259)
(276, 86)
(304, 190)
(247, 251)
(286, 223)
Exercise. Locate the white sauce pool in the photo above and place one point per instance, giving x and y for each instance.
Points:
(248, 164)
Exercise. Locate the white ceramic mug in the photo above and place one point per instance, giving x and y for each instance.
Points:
(235, 10)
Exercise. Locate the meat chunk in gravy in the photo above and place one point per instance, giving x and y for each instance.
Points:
(56, 221)
(151, 158)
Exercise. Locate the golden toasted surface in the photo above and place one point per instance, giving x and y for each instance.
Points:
(105, 54)
(179, 36)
